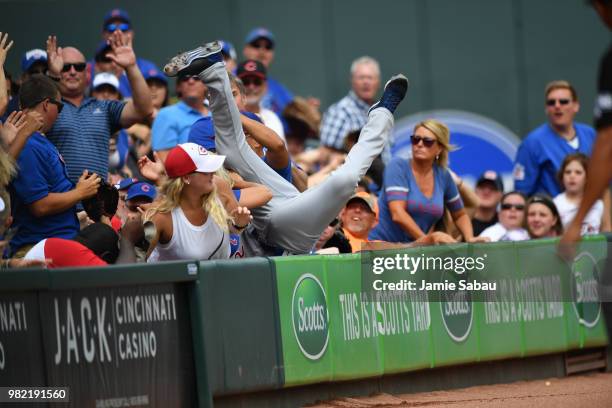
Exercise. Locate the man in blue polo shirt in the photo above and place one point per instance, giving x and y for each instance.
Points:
(44, 199)
(83, 129)
(172, 123)
(541, 153)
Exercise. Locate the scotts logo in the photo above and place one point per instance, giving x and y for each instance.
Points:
(457, 311)
(584, 289)
(310, 316)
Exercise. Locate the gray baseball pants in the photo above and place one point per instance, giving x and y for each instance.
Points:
(291, 220)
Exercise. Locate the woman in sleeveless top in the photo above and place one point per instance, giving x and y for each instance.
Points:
(190, 221)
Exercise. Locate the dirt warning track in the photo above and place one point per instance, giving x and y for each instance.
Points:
(590, 390)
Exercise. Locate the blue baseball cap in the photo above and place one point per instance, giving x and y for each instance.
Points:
(203, 133)
(141, 189)
(228, 49)
(117, 14)
(31, 57)
(154, 73)
(259, 32)
(126, 183)
(252, 115)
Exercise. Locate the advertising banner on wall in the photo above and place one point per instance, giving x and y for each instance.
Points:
(365, 315)
(120, 346)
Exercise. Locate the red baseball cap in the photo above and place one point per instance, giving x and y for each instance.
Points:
(187, 158)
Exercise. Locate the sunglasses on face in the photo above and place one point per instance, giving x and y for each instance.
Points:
(78, 66)
(519, 207)
(59, 104)
(260, 45)
(427, 142)
(252, 81)
(111, 28)
(553, 102)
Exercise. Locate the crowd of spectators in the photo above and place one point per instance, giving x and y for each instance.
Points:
(101, 164)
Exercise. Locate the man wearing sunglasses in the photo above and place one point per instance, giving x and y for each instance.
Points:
(43, 196)
(82, 132)
(118, 20)
(173, 123)
(541, 153)
(259, 45)
(253, 75)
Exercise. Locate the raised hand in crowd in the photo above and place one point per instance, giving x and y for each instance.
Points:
(5, 46)
(88, 184)
(152, 170)
(55, 58)
(122, 52)
(140, 108)
(21, 127)
(4, 49)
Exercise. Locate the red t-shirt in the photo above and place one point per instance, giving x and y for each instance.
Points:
(64, 253)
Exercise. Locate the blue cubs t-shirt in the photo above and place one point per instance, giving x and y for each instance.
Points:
(540, 155)
(399, 184)
(284, 172)
(41, 172)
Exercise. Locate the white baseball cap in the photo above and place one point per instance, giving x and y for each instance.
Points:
(187, 158)
(105, 78)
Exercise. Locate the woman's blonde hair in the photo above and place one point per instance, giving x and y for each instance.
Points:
(8, 168)
(171, 196)
(440, 130)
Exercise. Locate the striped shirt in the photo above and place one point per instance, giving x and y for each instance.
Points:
(347, 115)
(81, 134)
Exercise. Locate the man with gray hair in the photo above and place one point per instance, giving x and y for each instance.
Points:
(351, 112)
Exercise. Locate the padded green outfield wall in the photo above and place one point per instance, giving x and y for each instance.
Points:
(335, 326)
(229, 328)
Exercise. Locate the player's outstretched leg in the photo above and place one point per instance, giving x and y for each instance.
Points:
(289, 228)
(195, 61)
(394, 92)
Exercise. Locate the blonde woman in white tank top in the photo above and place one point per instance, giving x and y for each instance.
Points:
(190, 221)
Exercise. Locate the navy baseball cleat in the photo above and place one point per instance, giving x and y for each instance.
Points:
(394, 92)
(195, 61)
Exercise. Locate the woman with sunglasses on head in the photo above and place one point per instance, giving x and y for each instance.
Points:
(511, 217)
(415, 192)
(543, 220)
(190, 220)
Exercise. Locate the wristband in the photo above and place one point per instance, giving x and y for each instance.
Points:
(239, 228)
